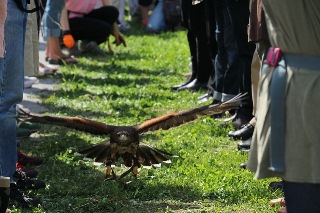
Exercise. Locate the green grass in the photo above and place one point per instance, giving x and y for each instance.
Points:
(127, 88)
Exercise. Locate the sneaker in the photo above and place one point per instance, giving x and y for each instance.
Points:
(23, 182)
(91, 47)
(30, 173)
(17, 196)
(24, 160)
(29, 81)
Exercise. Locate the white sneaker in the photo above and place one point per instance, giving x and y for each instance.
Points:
(29, 81)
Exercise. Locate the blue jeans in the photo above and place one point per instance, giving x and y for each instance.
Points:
(156, 22)
(11, 86)
(301, 197)
(51, 18)
(234, 57)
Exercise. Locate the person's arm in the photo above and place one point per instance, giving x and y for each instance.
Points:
(64, 21)
(68, 40)
(105, 2)
(3, 14)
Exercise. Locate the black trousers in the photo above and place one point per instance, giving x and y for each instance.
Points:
(234, 57)
(198, 23)
(95, 26)
(301, 197)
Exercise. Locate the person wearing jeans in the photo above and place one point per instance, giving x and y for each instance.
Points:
(11, 86)
(12, 35)
(51, 20)
(234, 57)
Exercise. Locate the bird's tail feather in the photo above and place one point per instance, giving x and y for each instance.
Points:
(98, 151)
(150, 155)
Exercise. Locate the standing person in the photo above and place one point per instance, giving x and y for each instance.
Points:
(286, 139)
(233, 61)
(11, 91)
(258, 34)
(51, 32)
(198, 24)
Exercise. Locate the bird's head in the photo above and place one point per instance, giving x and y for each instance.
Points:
(123, 138)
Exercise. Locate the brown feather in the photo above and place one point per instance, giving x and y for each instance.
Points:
(81, 124)
(124, 140)
(95, 150)
(143, 158)
(176, 119)
(153, 155)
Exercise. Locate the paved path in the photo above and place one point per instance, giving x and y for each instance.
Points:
(31, 97)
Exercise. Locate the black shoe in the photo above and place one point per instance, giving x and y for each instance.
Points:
(4, 196)
(175, 87)
(244, 145)
(239, 121)
(23, 182)
(244, 133)
(17, 196)
(275, 185)
(194, 85)
(243, 166)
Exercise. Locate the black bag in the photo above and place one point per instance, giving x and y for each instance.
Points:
(172, 13)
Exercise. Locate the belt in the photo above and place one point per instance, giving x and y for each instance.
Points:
(278, 98)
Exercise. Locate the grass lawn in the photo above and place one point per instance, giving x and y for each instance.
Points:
(127, 88)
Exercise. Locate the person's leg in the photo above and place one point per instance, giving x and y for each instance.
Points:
(238, 74)
(185, 11)
(211, 20)
(51, 32)
(51, 18)
(198, 26)
(301, 197)
(11, 87)
(107, 14)
(221, 57)
(91, 29)
(31, 51)
(28, 53)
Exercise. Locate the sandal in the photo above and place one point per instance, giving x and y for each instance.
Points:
(279, 202)
(63, 61)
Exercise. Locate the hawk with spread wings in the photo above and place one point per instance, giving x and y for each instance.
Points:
(125, 140)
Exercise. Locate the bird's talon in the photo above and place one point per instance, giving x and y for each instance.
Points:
(135, 171)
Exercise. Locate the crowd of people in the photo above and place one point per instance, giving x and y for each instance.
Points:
(267, 49)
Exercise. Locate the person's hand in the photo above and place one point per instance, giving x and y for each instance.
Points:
(68, 40)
